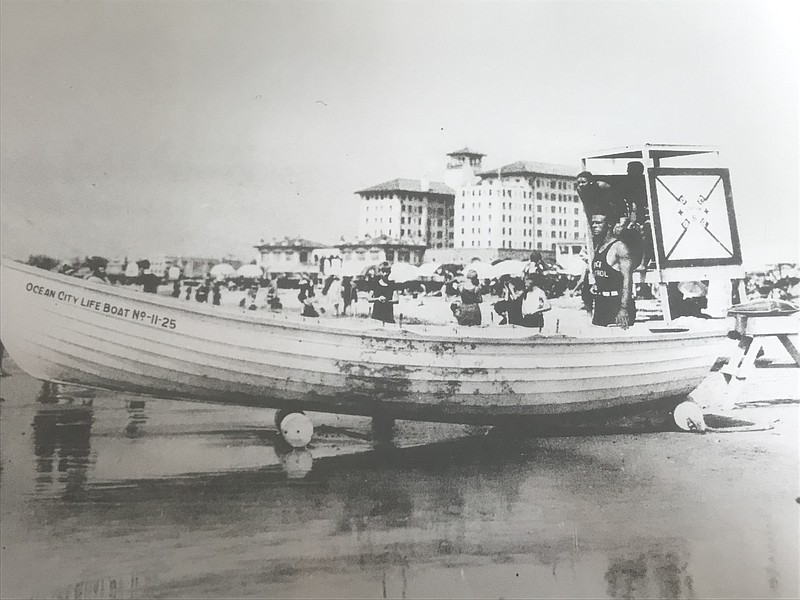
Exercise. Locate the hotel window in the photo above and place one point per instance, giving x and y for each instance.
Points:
(538, 220)
(489, 243)
(552, 234)
(577, 211)
(553, 247)
(538, 233)
(577, 235)
(539, 245)
(577, 223)
(538, 208)
(402, 232)
(538, 195)
(553, 209)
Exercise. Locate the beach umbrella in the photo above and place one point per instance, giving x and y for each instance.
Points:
(223, 270)
(428, 269)
(132, 270)
(356, 268)
(509, 267)
(250, 272)
(572, 264)
(402, 272)
(484, 270)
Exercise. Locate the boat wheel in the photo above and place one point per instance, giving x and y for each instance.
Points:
(295, 427)
(688, 416)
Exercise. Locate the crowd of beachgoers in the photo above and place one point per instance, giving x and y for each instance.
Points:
(337, 296)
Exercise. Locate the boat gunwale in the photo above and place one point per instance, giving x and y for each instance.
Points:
(378, 334)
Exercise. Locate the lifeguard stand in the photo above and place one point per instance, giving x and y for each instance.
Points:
(692, 218)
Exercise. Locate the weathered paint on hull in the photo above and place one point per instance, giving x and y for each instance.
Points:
(63, 329)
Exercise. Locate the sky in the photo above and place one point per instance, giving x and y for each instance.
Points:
(148, 128)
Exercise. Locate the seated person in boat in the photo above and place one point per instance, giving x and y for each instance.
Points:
(612, 270)
(509, 307)
(383, 292)
(468, 310)
(533, 305)
(306, 297)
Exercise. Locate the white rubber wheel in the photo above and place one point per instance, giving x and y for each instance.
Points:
(297, 429)
(689, 417)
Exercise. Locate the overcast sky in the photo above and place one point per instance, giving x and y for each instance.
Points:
(143, 128)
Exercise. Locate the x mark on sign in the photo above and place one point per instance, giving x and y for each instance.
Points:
(692, 214)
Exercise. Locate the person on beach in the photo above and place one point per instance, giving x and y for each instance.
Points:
(468, 311)
(249, 300)
(332, 290)
(612, 270)
(306, 297)
(216, 293)
(509, 307)
(147, 279)
(533, 305)
(535, 268)
(383, 295)
(349, 294)
(98, 274)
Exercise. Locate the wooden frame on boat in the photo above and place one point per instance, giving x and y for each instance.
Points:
(692, 267)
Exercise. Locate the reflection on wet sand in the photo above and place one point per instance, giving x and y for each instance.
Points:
(61, 441)
(168, 499)
(649, 575)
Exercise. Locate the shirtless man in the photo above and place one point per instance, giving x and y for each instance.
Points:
(612, 269)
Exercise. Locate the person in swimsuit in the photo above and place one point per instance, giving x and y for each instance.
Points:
(468, 312)
(612, 269)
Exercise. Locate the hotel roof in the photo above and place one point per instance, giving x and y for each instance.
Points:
(465, 150)
(529, 167)
(382, 240)
(410, 185)
(288, 242)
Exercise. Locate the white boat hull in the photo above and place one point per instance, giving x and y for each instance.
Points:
(67, 330)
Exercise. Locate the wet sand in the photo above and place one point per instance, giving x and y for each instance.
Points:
(107, 495)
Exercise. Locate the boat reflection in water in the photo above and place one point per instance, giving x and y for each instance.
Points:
(62, 430)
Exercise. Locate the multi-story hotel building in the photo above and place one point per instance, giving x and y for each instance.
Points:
(419, 212)
(521, 206)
